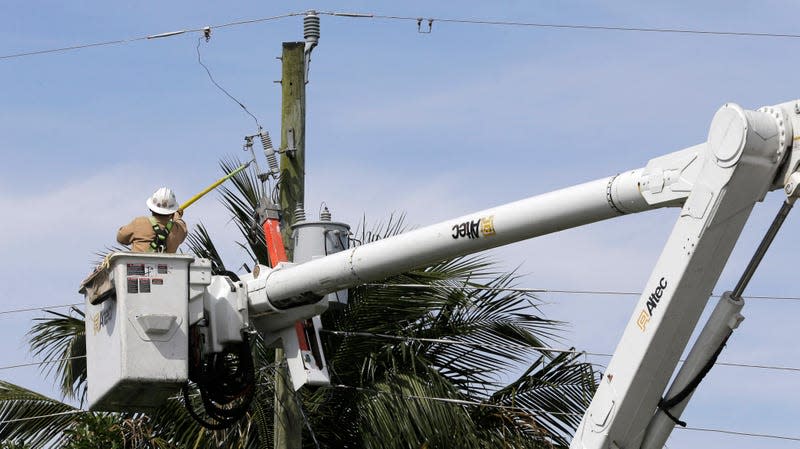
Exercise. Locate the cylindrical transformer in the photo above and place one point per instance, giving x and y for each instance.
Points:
(315, 239)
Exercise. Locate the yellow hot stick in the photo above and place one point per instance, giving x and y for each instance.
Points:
(213, 186)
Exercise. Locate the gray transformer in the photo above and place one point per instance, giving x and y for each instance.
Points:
(315, 239)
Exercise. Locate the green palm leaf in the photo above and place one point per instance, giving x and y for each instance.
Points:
(61, 338)
(33, 419)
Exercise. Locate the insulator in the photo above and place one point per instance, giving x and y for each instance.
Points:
(299, 213)
(325, 215)
(311, 27)
(269, 152)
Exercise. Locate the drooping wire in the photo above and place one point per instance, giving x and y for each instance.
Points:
(211, 77)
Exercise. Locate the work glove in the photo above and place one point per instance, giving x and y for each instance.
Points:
(178, 214)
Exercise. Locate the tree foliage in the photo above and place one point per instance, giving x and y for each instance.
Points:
(425, 359)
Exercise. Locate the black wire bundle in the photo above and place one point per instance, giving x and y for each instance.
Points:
(226, 382)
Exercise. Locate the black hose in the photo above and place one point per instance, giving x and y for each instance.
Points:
(666, 404)
(227, 385)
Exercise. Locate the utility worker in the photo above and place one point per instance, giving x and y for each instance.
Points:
(161, 232)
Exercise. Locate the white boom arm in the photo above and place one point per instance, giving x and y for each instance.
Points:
(716, 183)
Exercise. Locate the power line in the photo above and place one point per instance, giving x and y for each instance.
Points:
(35, 309)
(481, 288)
(743, 434)
(455, 287)
(500, 289)
(21, 365)
(534, 348)
(462, 402)
(478, 21)
(148, 37)
(418, 19)
(541, 411)
(455, 401)
(561, 291)
(31, 418)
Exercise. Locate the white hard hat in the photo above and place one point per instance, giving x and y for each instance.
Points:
(163, 202)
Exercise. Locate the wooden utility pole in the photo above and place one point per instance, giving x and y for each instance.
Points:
(288, 417)
(293, 137)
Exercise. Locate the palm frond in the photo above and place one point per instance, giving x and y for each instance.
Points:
(556, 391)
(241, 201)
(62, 337)
(199, 242)
(32, 418)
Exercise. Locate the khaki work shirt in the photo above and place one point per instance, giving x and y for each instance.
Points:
(139, 233)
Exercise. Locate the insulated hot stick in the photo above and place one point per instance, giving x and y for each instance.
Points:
(213, 186)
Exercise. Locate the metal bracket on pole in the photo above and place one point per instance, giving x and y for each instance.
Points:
(290, 148)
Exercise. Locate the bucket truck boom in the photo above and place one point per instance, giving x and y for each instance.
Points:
(715, 184)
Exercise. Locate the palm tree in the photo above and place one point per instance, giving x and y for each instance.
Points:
(420, 360)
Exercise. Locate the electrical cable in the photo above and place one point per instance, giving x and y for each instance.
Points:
(541, 411)
(149, 37)
(41, 363)
(563, 291)
(449, 400)
(496, 289)
(743, 434)
(494, 346)
(509, 289)
(474, 21)
(356, 15)
(31, 418)
(455, 401)
(226, 381)
(35, 309)
(533, 348)
(200, 61)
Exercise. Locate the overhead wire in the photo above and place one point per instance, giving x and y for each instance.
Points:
(561, 291)
(465, 403)
(542, 411)
(36, 309)
(360, 15)
(743, 434)
(460, 343)
(481, 288)
(22, 365)
(50, 415)
(512, 23)
(533, 348)
(149, 36)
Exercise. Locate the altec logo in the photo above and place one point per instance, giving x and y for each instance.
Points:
(652, 304)
(474, 228)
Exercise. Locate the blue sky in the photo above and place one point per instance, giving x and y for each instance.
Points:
(434, 125)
